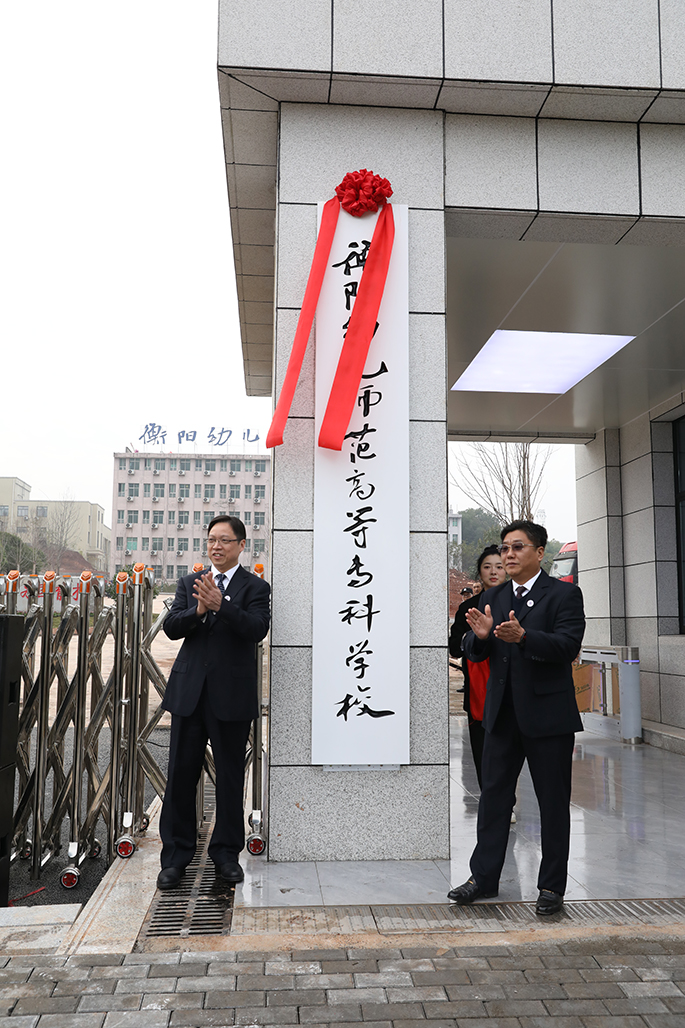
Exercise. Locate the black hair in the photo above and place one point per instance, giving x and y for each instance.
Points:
(536, 533)
(489, 551)
(235, 523)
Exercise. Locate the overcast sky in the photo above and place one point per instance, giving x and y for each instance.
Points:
(119, 305)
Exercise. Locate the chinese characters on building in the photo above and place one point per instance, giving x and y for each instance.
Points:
(156, 435)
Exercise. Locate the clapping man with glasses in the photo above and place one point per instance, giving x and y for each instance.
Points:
(221, 615)
(531, 628)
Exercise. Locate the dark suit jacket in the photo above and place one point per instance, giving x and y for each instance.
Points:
(459, 629)
(541, 676)
(221, 650)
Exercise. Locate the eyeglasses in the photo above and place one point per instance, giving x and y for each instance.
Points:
(515, 547)
(222, 542)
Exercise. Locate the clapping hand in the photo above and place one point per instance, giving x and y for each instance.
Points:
(207, 593)
(480, 622)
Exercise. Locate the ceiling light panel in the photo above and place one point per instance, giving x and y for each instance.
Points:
(537, 362)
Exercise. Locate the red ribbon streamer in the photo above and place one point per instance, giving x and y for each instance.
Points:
(317, 271)
(360, 331)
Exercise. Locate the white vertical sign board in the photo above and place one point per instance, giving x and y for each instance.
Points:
(360, 708)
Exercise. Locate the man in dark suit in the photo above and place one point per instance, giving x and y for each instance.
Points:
(531, 629)
(221, 615)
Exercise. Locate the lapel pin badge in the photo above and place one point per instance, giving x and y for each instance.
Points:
(530, 603)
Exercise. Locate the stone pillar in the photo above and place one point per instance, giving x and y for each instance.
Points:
(600, 538)
(317, 813)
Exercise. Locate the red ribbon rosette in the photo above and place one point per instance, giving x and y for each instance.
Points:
(359, 193)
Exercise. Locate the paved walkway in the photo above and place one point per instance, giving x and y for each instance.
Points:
(594, 983)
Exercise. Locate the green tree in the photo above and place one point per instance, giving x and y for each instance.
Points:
(15, 555)
(551, 549)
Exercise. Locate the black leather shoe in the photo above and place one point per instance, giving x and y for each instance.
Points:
(231, 871)
(468, 892)
(169, 877)
(548, 902)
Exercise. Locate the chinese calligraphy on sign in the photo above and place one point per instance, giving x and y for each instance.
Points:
(360, 704)
(156, 435)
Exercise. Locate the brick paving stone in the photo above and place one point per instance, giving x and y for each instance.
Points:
(199, 956)
(429, 952)
(564, 960)
(374, 954)
(99, 987)
(201, 1018)
(144, 985)
(162, 970)
(485, 951)
(547, 1022)
(415, 1023)
(515, 963)
(607, 1021)
(127, 971)
(152, 958)
(581, 1007)
(322, 981)
(299, 967)
(609, 974)
(19, 989)
(558, 975)
(14, 975)
(494, 991)
(319, 954)
(252, 956)
(336, 997)
(229, 1000)
(425, 994)
(304, 998)
(592, 990)
(670, 960)
(638, 1005)
(4, 961)
(406, 965)
(38, 960)
(95, 959)
(515, 1007)
(660, 974)
(458, 963)
(453, 977)
(200, 983)
(46, 1005)
(650, 989)
(72, 1020)
(465, 1008)
(493, 977)
(675, 1004)
(391, 1011)
(540, 990)
(172, 1000)
(349, 966)
(623, 960)
(266, 1015)
(137, 1019)
(381, 978)
(247, 967)
(345, 1012)
(664, 1020)
(90, 1004)
(250, 982)
(18, 1022)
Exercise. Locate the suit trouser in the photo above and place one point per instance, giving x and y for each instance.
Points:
(177, 825)
(549, 761)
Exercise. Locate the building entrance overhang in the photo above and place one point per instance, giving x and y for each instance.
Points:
(571, 288)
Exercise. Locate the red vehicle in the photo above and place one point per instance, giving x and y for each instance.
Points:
(565, 564)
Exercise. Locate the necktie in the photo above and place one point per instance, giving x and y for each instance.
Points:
(518, 598)
(220, 582)
(520, 590)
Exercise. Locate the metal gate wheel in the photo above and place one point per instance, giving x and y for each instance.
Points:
(256, 844)
(69, 878)
(125, 846)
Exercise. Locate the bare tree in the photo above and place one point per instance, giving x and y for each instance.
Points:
(503, 478)
(61, 530)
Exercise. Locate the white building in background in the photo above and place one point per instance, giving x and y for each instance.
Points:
(162, 504)
(453, 527)
(79, 524)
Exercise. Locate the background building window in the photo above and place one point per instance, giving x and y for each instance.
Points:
(157, 542)
(222, 492)
(132, 544)
(41, 512)
(145, 543)
(235, 465)
(209, 492)
(259, 517)
(22, 512)
(159, 490)
(133, 489)
(160, 464)
(198, 465)
(210, 465)
(172, 464)
(146, 489)
(170, 543)
(247, 517)
(260, 465)
(223, 465)
(172, 490)
(197, 517)
(184, 464)
(181, 570)
(133, 517)
(122, 464)
(198, 492)
(170, 570)
(120, 542)
(196, 545)
(235, 492)
(146, 517)
(134, 464)
(120, 517)
(260, 491)
(171, 517)
(121, 489)
(184, 490)
(248, 465)
(248, 492)
(148, 464)
(183, 517)
(259, 546)
(209, 514)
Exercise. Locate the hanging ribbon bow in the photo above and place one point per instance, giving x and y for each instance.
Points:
(358, 193)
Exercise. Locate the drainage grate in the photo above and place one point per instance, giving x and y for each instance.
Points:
(481, 917)
(201, 905)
